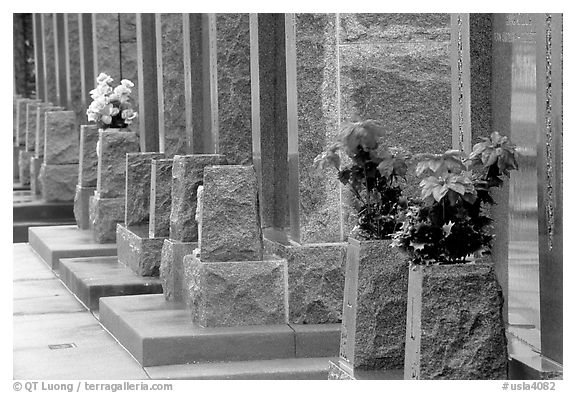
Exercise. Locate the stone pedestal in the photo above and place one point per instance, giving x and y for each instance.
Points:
(455, 328)
(137, 251)
(105, 213)
(88, 158)
(41, 127)
(61, 138)
(82, 206)
(30, 131)
(172, 268)
(160, 198)
(20, 136)
(374, 310)
(58, 182)
(24, 166)
(35, 164)
(138, 173)
(114, 144)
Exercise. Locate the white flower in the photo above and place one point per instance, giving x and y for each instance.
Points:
(126, 83)
(106, 119)
(103, 78)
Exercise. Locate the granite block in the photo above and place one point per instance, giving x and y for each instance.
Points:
(73, 74)
(82, 206)
(21, 120)
(236, 293)
(160, 198)
(58, 182)
(105, 213)
(30, 131)
(48, 47)
(230, 215)
(106, 32)
(88, 174)
(187, 175)
(61, 138)
(35, 164)
(41, 126)
(172, 268)
(24, 166)
(456, 325)
(113, 145)
(137, 251)
(375, 298)
(138, 172)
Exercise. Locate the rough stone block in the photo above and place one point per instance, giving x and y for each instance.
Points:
(88, 156)
(187, 175)
(61, 138)
(375, 296)
(21, 120)
(114, 144)
(35, 164)
(236, 293)
(58, 182)
(160, 198)
(24, 166)
(138, 171)
(315, 280)
(230, 215)
(455, 325)
(41, 126)
(172, 268)
(30, 132)
(105, 213)
(82, 206)
(137, 251)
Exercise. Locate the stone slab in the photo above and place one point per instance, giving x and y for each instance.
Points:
(58, 182)
(137, 251)
(157, 332)
(114, 144)
(236, 293)
(315, 280)
(187, 175)
(30, 132)
(230, 215)
(94, 277)
(317, 339)
(61, 138)
(35, 165)
(138, 173)
(21, 120)
(455, 328)
(160, 198)
(172, 268)
(105, 213)
(375, 295)
(41, 127)
(88, 157)
(67, 241)
(338, 371)
(24, 166)
(82, 206)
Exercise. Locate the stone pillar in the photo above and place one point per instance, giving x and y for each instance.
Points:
(106, 45)
(49, 57)
(87, 175)
(61, 68)
(23, 155)
(31, 165)
(160, 197)
(87, 77)
(39, 57)
(73, 72)
(129, 62)
(59, 171)
(231, 256)
(38, 159)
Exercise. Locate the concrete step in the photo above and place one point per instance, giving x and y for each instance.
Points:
(293, 368)
(66, 241)
(157, 332)
(20, 229)
(28, 208)
(91, 278)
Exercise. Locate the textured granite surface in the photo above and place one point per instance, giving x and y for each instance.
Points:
(129, 58)
(41, 127)
(61, 138)
(172, 268)
(21, 120)
(114, 144)
(105, 213)
(49, 54)
(160, 197)
(58, 182)
(230, 215)
(187, 175)
(35, 186)
(74, 90)
(88, 169)
(137, 251)
(374, 323)
(172, 118)
(82, 206)
(234, 94)
(24, 166)
(138, 171)
(30, 129)
(236, 293)
(106, 31)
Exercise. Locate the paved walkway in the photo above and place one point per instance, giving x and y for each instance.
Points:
(55, 336)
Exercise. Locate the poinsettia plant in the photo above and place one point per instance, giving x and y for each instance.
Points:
(373, 173)
(450, 224)
(111, 107)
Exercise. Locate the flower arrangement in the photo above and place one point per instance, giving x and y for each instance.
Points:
(111, 107)
(450, 225)
(372, 174)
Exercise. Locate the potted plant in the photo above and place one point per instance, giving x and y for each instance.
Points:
(376, 281)
(454, 325)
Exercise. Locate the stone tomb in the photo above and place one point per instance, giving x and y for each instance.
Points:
(228, 282)
(59, 170)
(87, 175)
(135, 248)
(107, 206)
(187, 175)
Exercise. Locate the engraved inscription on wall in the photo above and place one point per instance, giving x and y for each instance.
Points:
(519, 28)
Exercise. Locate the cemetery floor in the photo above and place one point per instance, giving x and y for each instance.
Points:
(55, 336)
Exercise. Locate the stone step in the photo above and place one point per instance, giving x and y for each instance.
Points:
(157, 332)
(91, 278)
(27, 207)
(282, 369)
(66, 241)
(20, 229)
